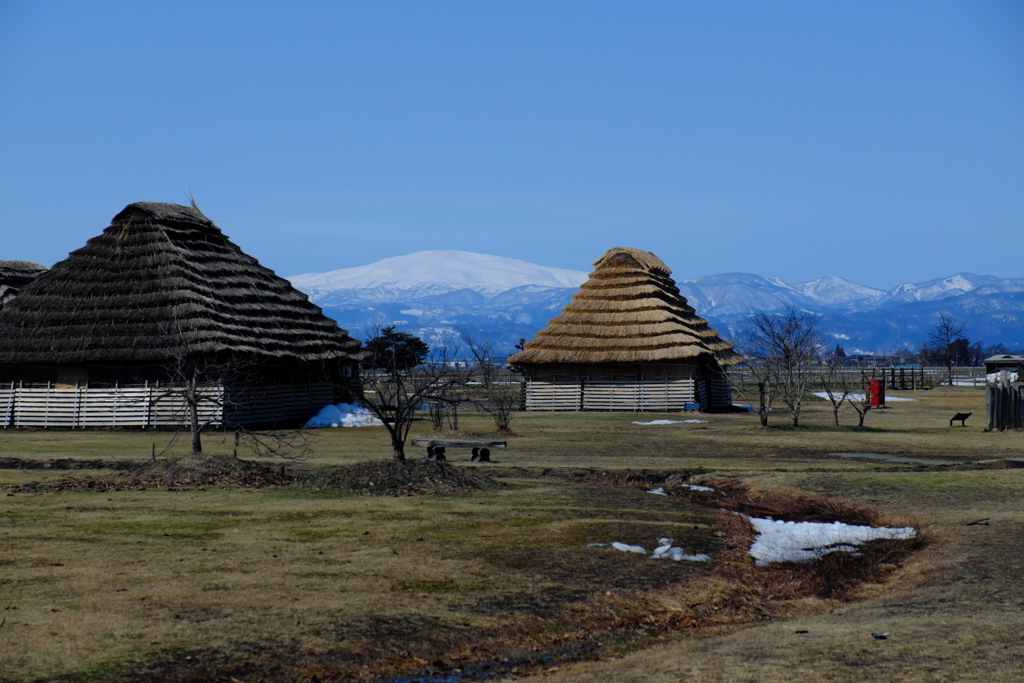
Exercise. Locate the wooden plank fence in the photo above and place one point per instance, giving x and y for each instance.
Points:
(613, 395)
(154, 406)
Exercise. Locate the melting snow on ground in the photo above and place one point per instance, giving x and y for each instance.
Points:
(664, 551)
(860, 397)
(343, 415)
(803, 542)
(693, 487)
(670, 422)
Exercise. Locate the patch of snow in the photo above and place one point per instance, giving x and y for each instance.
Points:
(411, 311)
(670, 422)
(664, 551)
(678, 554)
(658, 491)
(696, 487)
(994, 376)
(343, 415)
(628, 548)
(803, 542)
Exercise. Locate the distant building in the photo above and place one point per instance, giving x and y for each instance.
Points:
(162, 286)
(14, 275)
(628, 341)
(1005, 361)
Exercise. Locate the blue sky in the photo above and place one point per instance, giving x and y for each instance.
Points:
(882, 142)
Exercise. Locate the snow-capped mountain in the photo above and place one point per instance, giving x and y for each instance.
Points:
(835, 291)
(429, 273)
(440, 293)
(954, 285)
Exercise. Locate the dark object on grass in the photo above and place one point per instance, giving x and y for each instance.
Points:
(435, 453)
(960, 416)
(880, 636)
(979, 522)
(481, 449)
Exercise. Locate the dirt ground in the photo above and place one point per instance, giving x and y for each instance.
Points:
(955, 614)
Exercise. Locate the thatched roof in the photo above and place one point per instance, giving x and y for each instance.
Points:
(16, 274)
(629, 311)
(20, 272)
(160, 282)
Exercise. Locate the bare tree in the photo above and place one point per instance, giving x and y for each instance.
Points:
(501, 398)
(835, 384)
(943, 335)
(393, 389)
(197, 381)
(205, 387)
(480, 350)
(780, 348)
(861, 400)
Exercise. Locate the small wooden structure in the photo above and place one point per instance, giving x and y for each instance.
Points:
(1005, 361)
(14, 275)
(107, 336)
(628, 341)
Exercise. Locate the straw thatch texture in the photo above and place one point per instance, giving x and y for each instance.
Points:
(629, 311)
(160, 282)
(14, 275)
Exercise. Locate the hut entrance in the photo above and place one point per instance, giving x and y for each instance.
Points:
(68, 378)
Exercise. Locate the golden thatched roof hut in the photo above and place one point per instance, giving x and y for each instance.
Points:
(161, 285)
(627, 341)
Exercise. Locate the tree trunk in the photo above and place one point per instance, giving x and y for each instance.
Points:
(762, 412)
(193, 410)
(399, 449)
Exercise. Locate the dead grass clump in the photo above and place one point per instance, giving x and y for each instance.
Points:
(183, 472)
(67, 464)
(791, 506)
(395, 478)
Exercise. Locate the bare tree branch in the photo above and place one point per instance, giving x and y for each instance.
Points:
(780, 349)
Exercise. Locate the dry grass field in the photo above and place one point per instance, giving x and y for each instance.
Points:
(197, 583)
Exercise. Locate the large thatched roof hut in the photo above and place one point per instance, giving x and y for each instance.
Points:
(162, 287)
(627, 341)
(14, 275)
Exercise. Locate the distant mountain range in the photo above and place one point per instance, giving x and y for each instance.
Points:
(438, 294)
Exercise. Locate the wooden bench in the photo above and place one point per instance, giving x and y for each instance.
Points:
(436, 448)
(960, 416)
